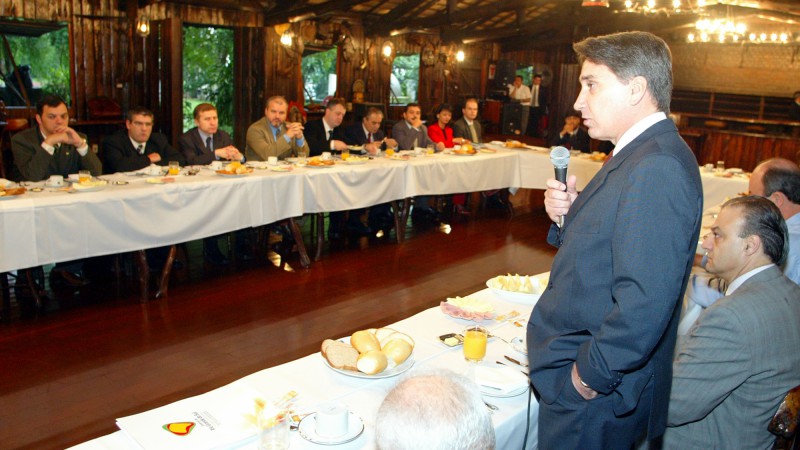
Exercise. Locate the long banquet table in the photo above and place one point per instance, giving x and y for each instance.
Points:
(52, 225)
(316, 383)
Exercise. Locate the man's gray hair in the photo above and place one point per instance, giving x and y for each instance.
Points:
(434, 410)
(632, 54)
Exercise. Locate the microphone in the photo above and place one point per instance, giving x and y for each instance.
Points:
(559, 156)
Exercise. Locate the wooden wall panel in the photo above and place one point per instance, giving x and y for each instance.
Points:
(745, 150)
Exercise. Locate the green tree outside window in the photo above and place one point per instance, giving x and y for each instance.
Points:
(208, 73)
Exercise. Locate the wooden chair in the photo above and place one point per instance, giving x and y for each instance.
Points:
(12, 126)
(784, 423)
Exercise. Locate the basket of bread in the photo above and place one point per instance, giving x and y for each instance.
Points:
(519, 288)
(11, 192)
(319, 162)
(515, 144)
(235, 168)
(372, 353)
(465, 150)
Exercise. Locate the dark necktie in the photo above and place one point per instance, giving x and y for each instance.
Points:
(330, 134)
(140, 149)
(209, 145)
(369, 137)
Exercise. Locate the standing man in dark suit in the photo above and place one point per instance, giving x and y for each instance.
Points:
(51, 147)
(325, 134)
(206, 142)
(468, 127)
(601, 338)
(740, 359)
(538, 107)
(138, 146)
(572, 136)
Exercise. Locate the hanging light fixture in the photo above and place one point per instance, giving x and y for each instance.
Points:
(460, 56)
(387, 52)
(286, 38)
(143, 25)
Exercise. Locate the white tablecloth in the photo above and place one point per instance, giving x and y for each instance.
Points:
(316, 383)
(53, 225)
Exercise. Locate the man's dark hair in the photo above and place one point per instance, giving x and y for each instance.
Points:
(763, 219)
(50, 100)
(139, 111)
(632, 54)
(784, 180)
(412, 104)
(335, 101)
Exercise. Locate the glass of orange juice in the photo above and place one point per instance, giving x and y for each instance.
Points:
(475, 337)
(84, 176)
(345, 154)
(389, 152)
(174, 168)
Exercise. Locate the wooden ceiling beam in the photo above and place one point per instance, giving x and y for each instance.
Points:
(292, 10)
(386, 23)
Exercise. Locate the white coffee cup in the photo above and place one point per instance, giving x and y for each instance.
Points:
(74, 177)
(216, 165)
(326, 156)
(55, 180)
(155, 170)
(272, 160)
(332, 420)
(709, 167)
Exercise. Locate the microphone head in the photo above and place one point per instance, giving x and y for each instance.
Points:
(559, 156)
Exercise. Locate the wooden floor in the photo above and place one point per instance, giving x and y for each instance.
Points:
(66, 376)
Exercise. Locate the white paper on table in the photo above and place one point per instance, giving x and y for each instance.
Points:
(221, 418)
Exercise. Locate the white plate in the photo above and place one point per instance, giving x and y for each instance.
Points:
(491, 392)
(321, 166)
(516, 297)
(307, 430)
(8, 197)
(280, 168)
(155, 180)
(354, 162)
(388, 373)
(232, 175)
(91, 188)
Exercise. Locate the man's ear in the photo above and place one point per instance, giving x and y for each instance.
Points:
(779, 198)
(752, 244)
(638, 89)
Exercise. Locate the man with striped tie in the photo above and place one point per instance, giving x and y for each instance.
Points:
(206, 142)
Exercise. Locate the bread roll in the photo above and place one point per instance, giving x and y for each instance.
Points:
(364, 341)
(397, 335)
(340, 355)
(398, 350)
(372, 362)
(383, 333)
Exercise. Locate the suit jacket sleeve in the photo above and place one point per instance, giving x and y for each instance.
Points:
(194, 152)
(261, 143)
(119, 154)
(460, 129)
(31, 160)
(164, 149)
(710, 364)
(437, 135)
(315, 137)
(404, 135)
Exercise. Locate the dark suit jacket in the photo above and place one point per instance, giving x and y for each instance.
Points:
(34, 163)
(318, 142)
(577, 141)
(119, 154)
(625, 252)
(354, 135)
(194, 149)
(735, 366)
(461, 129)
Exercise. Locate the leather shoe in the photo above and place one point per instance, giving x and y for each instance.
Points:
(64, 278)
(358, 228)
(215, 257)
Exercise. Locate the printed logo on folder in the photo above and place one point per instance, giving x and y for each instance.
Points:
(179, 428)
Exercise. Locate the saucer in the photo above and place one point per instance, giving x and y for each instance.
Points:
(307, 430)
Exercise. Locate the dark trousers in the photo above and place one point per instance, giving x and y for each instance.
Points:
(574, 423)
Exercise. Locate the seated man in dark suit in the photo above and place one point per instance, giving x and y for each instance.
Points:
(572, 135)
(206, 142)
(468, 126)
(200, 146)
(369, 134)
(138, 146)
(51, 147)
(740, 358)
(325, 134)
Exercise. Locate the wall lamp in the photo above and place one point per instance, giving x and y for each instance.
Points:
(143, 25)
(387, 52)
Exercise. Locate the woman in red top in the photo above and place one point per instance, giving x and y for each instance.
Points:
(442, 134)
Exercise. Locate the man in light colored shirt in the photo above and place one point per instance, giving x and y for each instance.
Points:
(521, 93)
(740, 358)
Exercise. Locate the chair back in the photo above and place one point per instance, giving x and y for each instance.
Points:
(784, 423)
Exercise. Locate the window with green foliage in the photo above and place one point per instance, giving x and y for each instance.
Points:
(319, 75)
(405, 79)
(208, 73)
(526, 72)
(43, 63)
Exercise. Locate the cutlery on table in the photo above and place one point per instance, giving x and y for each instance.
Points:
(509, 365)
(515, 361)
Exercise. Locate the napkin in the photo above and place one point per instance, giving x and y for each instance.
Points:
(501, 379)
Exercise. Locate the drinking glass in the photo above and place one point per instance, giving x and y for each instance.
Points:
(302, 155)
(431, 149)
(174, 168)
(475, 337)
(273, 428)
(720, 166)
(345, 154)
(84, 176)
(389, 152)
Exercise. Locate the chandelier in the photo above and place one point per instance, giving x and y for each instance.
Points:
(667, 7)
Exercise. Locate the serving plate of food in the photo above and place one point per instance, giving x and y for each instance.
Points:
(355, 160)
(517, 288)
(317, 163)
(90, 186)
(235, 169)
(373, 353)
(9, 193)
(470, 309)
